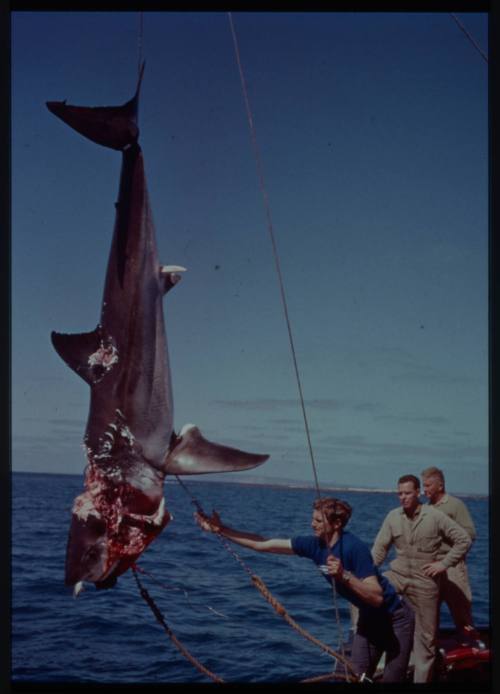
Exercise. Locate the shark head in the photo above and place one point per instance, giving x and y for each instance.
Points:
(111, 526)
(87, 555)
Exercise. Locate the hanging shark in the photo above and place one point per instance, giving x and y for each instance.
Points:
(130, 440)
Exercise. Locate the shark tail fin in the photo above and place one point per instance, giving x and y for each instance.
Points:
(111, 126)
(192, 454)
(90, 355)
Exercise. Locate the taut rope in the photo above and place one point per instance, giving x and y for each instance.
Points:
(139, 42)
(474, 43)
(267, 207)
(274, 244)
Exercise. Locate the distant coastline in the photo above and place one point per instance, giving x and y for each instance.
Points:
(277, 483)
(303, 485)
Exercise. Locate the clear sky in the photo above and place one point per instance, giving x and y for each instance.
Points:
(373, 135)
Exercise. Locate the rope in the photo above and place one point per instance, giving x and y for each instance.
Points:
(139, 42)
(323, 678)
(278, 607)
(166, 586)
(222, 540)
(161, 620)
(267, 208)
(474, 43)
(259, 584)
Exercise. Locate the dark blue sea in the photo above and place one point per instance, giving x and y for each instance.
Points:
(205, 595)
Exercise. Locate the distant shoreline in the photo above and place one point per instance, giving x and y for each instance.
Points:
(272, 483)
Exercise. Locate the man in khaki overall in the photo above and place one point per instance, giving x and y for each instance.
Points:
(455, 588)
(418, 533)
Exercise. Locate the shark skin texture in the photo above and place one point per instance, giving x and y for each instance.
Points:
(130, 440)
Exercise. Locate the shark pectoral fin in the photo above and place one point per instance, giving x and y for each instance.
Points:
(90, 355)
(194, 455)
(169, 276)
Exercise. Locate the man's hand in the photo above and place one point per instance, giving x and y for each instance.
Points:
(212, 524)
(335, 568)
(434, 569)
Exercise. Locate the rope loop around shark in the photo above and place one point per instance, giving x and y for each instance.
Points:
(130, 441)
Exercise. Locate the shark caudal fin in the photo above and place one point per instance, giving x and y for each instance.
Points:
(194, 455)
(110, 126)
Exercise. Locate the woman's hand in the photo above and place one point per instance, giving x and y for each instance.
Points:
(212, 524)
(335, 568)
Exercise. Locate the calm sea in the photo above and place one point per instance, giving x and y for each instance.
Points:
(204, 593)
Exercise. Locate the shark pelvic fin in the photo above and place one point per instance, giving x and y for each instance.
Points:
(169, 276)
(90, 355)
(193, 455)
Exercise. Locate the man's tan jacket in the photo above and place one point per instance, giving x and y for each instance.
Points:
(420, 540)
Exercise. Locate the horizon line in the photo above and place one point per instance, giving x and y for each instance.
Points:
(268, 482)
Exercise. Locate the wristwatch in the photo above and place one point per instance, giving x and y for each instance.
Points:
(346, 576)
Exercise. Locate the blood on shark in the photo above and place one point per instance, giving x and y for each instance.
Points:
(130, 440)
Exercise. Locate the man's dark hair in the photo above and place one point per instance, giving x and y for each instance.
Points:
(334, 509)
(410, 478)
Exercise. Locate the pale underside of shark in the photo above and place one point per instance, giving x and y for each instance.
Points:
(130, 440)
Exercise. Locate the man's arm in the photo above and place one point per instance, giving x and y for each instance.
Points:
(464, 519)
(382, 543)
(460, 542)
(250, 540)
(458, 538)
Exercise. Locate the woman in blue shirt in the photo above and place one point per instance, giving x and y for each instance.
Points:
(386, 622)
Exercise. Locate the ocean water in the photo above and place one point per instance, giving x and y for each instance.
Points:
(204, 593)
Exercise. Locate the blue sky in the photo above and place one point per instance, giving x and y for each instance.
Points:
(373, 134)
